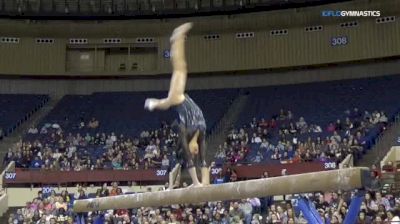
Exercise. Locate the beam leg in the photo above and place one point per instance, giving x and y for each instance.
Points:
(354, 208)
(309, 211)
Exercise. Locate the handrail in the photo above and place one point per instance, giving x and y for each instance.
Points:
(3, 204)
(10, 168)
(347, 162)
(98, 176)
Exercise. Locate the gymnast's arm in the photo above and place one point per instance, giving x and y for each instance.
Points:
(179, 76)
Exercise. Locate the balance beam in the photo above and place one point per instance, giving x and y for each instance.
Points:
(333, 180)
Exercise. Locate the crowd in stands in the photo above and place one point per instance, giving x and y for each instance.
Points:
(51, 149)
(287, 139)
(55, 207)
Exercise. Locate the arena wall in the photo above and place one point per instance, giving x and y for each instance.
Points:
(64, 86)
(213, 46)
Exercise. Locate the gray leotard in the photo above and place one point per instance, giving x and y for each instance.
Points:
(190, 115)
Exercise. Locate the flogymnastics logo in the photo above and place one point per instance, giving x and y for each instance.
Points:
(342, 13)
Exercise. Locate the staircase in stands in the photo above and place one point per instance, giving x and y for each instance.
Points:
(383, 144)
(218, 136)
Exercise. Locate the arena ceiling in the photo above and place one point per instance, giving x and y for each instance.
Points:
(275, 19)
(114, 9)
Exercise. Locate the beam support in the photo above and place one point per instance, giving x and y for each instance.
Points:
(354, 207)
(309, 211)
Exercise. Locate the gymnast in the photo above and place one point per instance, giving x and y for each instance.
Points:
(192, 126)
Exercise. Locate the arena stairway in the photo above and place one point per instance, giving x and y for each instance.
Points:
(13, 138)
(383, 144)
(218, 137)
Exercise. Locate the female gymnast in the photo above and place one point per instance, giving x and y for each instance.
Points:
(192, 125)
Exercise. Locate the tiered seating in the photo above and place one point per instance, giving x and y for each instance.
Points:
(17, 108)
(123, 112)
(321, 104)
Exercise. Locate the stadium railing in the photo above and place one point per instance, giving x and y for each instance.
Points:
(39, 176)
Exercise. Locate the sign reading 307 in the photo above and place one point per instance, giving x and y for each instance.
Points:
(10, 175)
(161, 173)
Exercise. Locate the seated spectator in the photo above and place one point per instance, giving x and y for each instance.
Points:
(302, 125)
(263, 123)
(338, 125)
(382, 201)
(235, 212)
(33, 130)
(375, 183)
(348, 124)
(115, 190)
(383, 118)
(103, 191)
(265, 144)
(165, 162)
(220, 154)
(258, 158)
(256, 139)
(276, 155)
(376, 171)
(289, 115)
(292, 128)
(331, 127)
(81, 125)
(253, 123)
(272, 123)
(336, 137)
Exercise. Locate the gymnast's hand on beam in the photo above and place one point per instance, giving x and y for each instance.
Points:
(151, 103)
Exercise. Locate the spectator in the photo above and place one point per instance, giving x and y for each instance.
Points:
(93, 123)
(235, 212)
(256, 139)
(302, 125)
(165, 162)
(258, 158)
(375, 182)
(383, 119)
(247, 210)
(382, 201)
(33, 130)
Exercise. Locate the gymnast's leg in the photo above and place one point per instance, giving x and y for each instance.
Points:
(205, 170)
